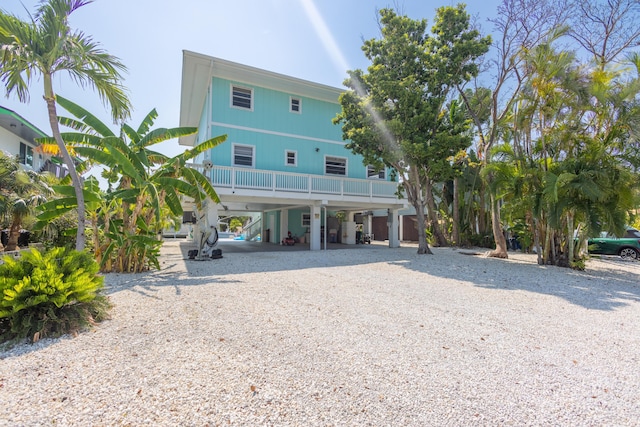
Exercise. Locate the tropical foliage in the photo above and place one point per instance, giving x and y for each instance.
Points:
(21, 191)
(49, 294)
(146, 187)
(399, 113)
(548, 152)
(44, 47)
(556, 149)
(567, 166)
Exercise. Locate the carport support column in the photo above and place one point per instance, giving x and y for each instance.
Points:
(393, 223)
(349, 229)
(314, 245)
(284, 223)
(367, 226)
(206, 218)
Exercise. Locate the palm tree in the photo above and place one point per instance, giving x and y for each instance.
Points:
(20, 192)
(7, 166)
(46, 46)
(146, 186)
(576, 124)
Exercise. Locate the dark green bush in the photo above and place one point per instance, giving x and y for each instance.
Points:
(478, 240)
(50, 294)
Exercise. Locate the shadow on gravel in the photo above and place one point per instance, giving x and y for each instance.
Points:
(615, 285)
(145, 283)
(26, 346)
(261, 257)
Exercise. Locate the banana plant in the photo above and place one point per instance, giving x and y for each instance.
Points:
(146, 186)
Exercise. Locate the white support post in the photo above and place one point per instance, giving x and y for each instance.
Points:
(392, 222)
(206, 220)
(367, 224)
(349, 229)
(284, 223)
(314, 245)
(272, 229)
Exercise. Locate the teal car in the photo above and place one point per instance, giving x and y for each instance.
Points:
(627, 246)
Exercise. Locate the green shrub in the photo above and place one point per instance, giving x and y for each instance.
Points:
(50, 294)
(478, 240)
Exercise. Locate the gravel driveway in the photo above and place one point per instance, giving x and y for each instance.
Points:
(374, 336)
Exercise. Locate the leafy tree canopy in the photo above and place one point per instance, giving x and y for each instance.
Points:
(399, 113)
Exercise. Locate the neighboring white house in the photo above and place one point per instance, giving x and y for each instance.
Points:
(18, 138)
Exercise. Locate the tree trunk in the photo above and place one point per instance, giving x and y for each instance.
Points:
(97, 250)
(554, 253)
(536, 239)
(456, 213)
(14, 234)
(547, 245)
(432, 211)
(482, 223)
(501, 243)
(50, 99)
(446, 218)
(414, 195)
(570, 240)
(423, 246)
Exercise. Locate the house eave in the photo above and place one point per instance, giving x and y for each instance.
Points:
(18, 125)
(199, 69)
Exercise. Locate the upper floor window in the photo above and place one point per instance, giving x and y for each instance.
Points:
(374, 173)
(26, 154)
(243, 155)
(291, 159)
(296, 105)
(335, 165)
(242, 97)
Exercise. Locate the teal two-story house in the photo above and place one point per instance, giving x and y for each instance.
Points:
(283, 157)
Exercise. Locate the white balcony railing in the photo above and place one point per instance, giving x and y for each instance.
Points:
(241, 178)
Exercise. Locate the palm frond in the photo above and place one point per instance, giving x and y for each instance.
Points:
(173, 200)
(164, 134)
(131, 133)
(155, 200)
(147, 122)
(86, 117)
(202, 147)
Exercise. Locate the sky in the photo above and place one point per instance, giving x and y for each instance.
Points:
(315, 40)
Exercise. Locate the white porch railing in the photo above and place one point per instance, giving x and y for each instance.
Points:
(241, 178)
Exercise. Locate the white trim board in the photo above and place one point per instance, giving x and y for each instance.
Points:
(270, 132)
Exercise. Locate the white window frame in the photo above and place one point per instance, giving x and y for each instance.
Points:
(295, 158)
(28, 158)
(233, 155)
(307, 222)
(326, 158)
(295, 98)
(250, 90)
(375, 174)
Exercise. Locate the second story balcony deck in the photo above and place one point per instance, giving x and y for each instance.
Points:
(263, 183)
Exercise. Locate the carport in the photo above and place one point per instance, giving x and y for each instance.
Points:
(305, 208)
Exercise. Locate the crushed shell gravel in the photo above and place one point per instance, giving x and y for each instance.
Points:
(373, 336)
